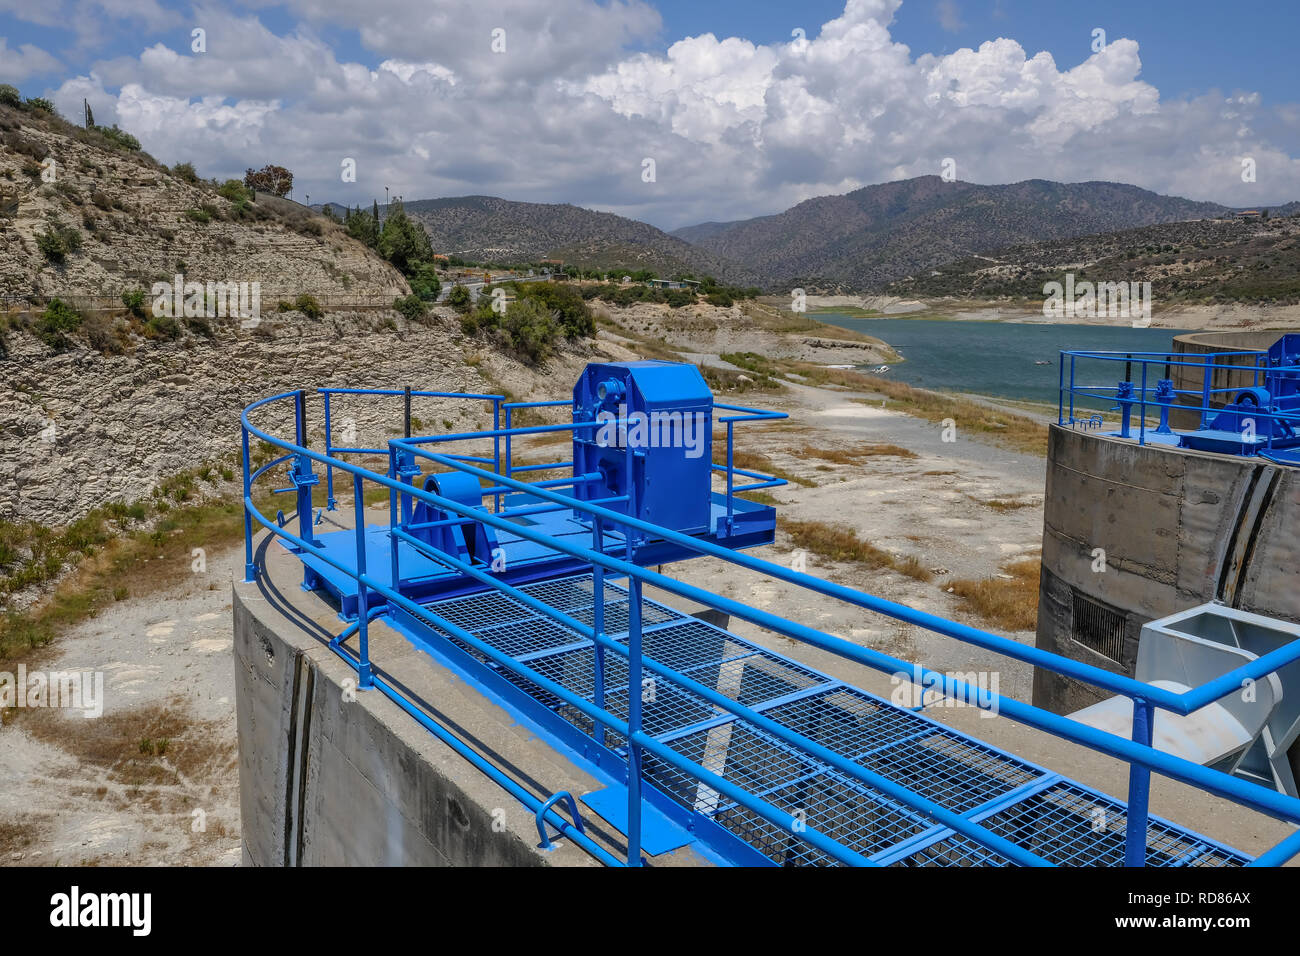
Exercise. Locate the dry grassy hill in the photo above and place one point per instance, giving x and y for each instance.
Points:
(127, 221)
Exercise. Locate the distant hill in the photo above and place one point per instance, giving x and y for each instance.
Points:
(488, 229)
(1212, 260)
(128, 221)
(864, 239)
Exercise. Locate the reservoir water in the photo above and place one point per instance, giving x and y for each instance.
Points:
(994, 358)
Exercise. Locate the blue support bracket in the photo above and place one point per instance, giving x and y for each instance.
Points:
(555, 798)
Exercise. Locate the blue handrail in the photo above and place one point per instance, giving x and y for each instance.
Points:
(1138, 752)
(1128, 394)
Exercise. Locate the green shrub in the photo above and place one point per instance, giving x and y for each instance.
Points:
(163, 327)
(235, 191)
(9, 95)
(425, 283)
(55, 322)
(133, 299)
(186, 172)
(530, 329)
(308, 306)
(459, 298)
(57, 241)
(119, 137)
(403, 241)
(565, 303)
(411, 306)
(201, 216)
(41, 104)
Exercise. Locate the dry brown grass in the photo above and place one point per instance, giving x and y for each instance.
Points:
(1009, 601)
(1002, 504)
(125, 563)
(1009, 430)
(756, 461)
(17, 834)
(149, 746)
(855, 456)
(838, 543)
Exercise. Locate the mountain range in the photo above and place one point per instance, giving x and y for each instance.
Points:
(1254, 261)
(856, 242)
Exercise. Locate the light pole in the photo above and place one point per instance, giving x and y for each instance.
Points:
(385, 202)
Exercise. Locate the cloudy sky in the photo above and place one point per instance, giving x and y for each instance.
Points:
(745, 106)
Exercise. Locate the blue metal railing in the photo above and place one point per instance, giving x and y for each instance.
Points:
(1141, 389)
(1142, 758)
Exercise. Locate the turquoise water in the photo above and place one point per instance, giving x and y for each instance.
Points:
(993, 358)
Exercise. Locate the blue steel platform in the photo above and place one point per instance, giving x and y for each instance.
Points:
(1058, 819)
(700, 735)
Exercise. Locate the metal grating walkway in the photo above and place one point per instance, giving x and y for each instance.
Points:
(1058, 819)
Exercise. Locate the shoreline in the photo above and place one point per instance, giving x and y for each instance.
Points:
(1233, 317)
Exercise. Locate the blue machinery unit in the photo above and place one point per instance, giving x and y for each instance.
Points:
(1248, 401)
(534, 591)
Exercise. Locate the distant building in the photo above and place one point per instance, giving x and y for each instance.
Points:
(1248, 214)
(690, 284)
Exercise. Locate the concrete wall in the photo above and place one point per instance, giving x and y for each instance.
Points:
(1178, 529)
(329, 781)
(1192, 346)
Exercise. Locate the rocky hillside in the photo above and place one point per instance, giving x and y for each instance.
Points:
(120, 220)
(1208, 261)
(79, 429)
(487, 229)
(864, 239)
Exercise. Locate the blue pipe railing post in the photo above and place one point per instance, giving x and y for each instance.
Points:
(598, 624)
(1142, 408)
(250, 572)
(302, 477)
(1072, 358)
(393, 522)
(329, 453)
(1139, 788)
(635, 696)
(509, 418)
(730, 478)
(496, 449)
(365, 675)
(1207, 378)
(1060, 389)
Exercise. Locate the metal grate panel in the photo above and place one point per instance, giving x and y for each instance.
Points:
(1063, 822)
(1096, 626)
(1068, 824)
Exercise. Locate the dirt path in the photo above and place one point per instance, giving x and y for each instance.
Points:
(154, 780)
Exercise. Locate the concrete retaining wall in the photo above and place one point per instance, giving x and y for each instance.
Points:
(326, 780)
(1178, 529)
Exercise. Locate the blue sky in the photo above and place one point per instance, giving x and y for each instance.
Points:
(1188, 46)
(738, 118)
